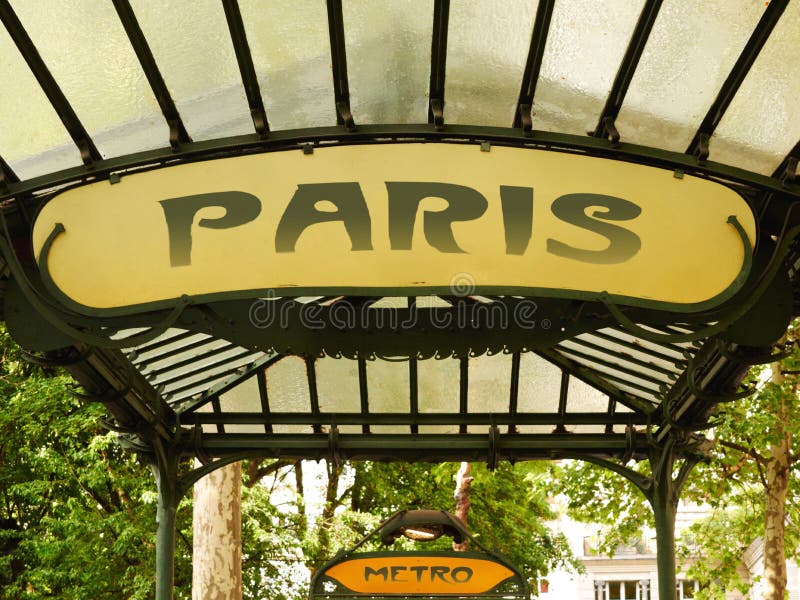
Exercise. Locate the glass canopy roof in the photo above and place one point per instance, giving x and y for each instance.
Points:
(95, 88)
(686, 59)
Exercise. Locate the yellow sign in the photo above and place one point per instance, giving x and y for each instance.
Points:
(419, 575)
(396, 219)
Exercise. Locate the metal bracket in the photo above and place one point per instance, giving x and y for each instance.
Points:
(437, 109)
(526, 118)
(343, 109)
(789, 175)
(610, 132)
(86, 152)
(7, 176)
(174, 134)
(494, 441)
(629, 449)
(701, 152)
(705, 396)
(57, 359)
(260, 122)
(333, 446)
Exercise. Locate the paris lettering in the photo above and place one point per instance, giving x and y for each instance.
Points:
(311, 205)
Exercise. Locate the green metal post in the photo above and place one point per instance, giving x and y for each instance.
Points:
(165, 470)
(664, 508)
(663, 495)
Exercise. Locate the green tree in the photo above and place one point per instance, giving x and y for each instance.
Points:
(509, 507)
(749, 483)
(77, 512)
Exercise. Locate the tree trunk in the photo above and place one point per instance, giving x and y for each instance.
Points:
(777, 477)
(217, 526)
(463, 481)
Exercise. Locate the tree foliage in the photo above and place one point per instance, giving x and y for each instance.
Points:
(509, 509)
(77, 512)
(735, 484)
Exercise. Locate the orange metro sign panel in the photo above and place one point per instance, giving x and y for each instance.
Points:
(419, 574)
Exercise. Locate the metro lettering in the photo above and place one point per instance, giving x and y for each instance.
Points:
(397, 573)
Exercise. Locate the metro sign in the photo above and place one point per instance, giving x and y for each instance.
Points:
(416, 574)
(396, 219)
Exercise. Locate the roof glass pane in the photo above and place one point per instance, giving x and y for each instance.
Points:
(224, 370)
(585, 398)
(243, 398)
(201, 361)
(388, 46)
(438, 389)
(337, 385)
(388, 384)
(584, 50)
(489, 386)
(292, 57)
(596, 429)
(762, 122)
(287, 388)
(438, 385)
(164, 356)
(89, 55)
(539, 384)
(690, 52)
(631, 350)
(193, 48)
(33, 141)
(489, 383)
(487, 45)
(577, 350)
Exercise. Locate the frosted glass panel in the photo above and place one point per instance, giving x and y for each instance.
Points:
(585, 398)
(388, 391)
(489, 383)
(388, 59)
(438, 391)
(337, 385)
(691, 50)
(539, 385)
(388, 386)
(487, 47)
(584, 50)
(292, 57)
(243, 398)
(88, 53)
(32, 139)
(762, 123)
(287, 388)
(489, 386)
(438, 385)
(193, 48)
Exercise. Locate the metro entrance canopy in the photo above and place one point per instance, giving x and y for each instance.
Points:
(426, 258)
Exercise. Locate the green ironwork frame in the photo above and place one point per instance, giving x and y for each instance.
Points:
(705, 373)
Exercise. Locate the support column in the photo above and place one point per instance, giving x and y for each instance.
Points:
(164, 464)
(662, 490)
(664, 510)
(663, 496)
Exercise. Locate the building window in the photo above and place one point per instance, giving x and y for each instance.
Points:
(687, 588)
(622, 590)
